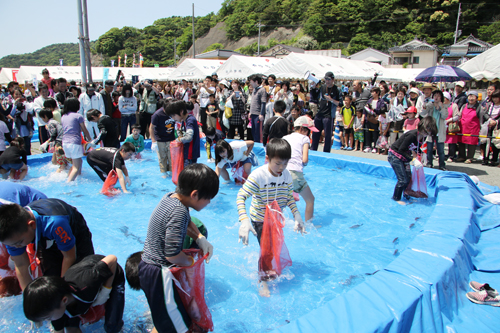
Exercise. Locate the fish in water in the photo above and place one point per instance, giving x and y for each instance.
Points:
(412, 225)
(348, 281)
(396, 240)
(222, 193)
(417, 218)
(143, 184)
(127, 234)
(396, 252)
(78, 195)
(356, 226)
(287, 321)
(372, 273)
(375, 184)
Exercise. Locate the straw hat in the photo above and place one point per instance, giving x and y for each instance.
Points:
(429, 86)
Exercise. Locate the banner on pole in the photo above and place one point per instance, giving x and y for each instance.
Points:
(112, 63)
(61, 62)
(105, 74)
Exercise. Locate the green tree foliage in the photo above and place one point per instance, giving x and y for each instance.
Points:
(47, 56)
(490, 33)
(215, 46)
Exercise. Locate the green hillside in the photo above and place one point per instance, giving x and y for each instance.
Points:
(348, 24)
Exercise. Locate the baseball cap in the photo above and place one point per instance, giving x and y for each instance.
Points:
(305, 121)
(473, 92)
(411, 109)
(447, 95)
(460, 84)
(329, 75)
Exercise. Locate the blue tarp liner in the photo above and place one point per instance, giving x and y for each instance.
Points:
(423, 290)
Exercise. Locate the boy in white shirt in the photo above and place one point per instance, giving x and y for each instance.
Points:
(300, 142)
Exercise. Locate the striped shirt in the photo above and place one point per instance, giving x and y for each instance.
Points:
(264, 188)
(166, 231)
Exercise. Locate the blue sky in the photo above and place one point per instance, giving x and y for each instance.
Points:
(32, 24)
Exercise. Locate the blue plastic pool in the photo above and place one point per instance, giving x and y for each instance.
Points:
(357, 231)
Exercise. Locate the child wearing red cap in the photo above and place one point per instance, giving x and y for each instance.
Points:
(411, 122)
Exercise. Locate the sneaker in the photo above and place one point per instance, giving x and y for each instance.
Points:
(482, 297)
(476, 286)
(367, 150)
(374, 151)
(449, 160)
(348, 148)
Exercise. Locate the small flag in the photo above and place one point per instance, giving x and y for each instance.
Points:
(61, 62)
(112, 63)
(125, 63)
(141, 60)
(133, 60)
(119, 61)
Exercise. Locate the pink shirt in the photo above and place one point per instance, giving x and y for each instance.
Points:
(411, 124)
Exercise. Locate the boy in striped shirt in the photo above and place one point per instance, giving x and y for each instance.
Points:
(270, 182)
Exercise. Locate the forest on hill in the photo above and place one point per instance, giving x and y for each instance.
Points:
(351, 25)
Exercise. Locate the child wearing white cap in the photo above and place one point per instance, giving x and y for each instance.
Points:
(300, 142)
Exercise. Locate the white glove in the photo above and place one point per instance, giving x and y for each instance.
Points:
(206, 247)
(416, 163)
(44, 146)
(102, 296)
(245, 228)
(128, 181)
(154, 147)
(299, 225)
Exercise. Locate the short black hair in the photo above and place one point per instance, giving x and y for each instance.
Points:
(438, 92)
(348, 96)
(220, 146)
(12, 84)
(17, 142)
(255, 77)
(13, 220)
(46, 113)
(72, 104)
(44, 295)
(210, 131)
(496, 94)
(127, 87)
(279, 106)
(42, 85)
(116, 94)
(132, 270)
(272, 76)
(50, 103)
(61, 80)
(279, 148)
(211, 95)
(177, 107)
(377, 90)
(109, 83)
(198, 177)
(136, 126)
(128, 147)
(93, 113)
(209, 77)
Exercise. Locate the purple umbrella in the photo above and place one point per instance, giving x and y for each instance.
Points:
(443, 73)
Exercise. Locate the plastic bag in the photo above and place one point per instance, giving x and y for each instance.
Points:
(190, 283)
(4, 256)
(239, 174)
(9, 284)
(225, 121)
(274, 256)
(417, 187)
(177, 155)
(381, 142)
(109, 184)
(93, 314)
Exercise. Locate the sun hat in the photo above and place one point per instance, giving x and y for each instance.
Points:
(414, 90)
(427, 85)
(460, 84)
(305, 121)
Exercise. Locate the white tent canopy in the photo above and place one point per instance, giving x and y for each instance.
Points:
(403, 74)
(485, 66)
(6, 75)
(27, 73)
(195, 69)
(241, 67)
(295, 65)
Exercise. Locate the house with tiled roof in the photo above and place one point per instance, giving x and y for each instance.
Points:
(464, 50)
(414, 54)
(280, 51)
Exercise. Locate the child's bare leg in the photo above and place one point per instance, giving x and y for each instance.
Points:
(351, 137)
(224, 174)
(361, 144)
(24, 172)
(154, 330)
(54, 159)
(4, 173)
(309, 199)
(75, 169)
(356, 145)
(264, 289)
(247, 167)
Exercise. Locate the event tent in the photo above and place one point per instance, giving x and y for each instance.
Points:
(241, 67)
(485, 66)
(195, 69)
(295, 65)
(403, 74)
(8, 74)
(27, 73)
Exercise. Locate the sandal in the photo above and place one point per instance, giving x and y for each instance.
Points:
(469, 161)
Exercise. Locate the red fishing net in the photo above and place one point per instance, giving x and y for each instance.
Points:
(177, 156)
(4, 256)
(274, 256)
(93, 315)
(190, 283)
(239, 174)
(109, 184)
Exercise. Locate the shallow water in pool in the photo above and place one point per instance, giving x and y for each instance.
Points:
(357, 230)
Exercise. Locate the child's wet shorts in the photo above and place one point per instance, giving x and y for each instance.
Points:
(167, 310)
(252, 159)
(73, 150)
(359, 136)
(15, 166)
(299, 182)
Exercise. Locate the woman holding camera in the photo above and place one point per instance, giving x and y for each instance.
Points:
(22, 112)
(237, 120)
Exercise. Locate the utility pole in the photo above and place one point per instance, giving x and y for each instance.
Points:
(258, 43)
(81, 41)
(458, 20)
(194, 52)
(88, 61)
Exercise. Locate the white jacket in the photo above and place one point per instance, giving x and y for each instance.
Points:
(87, 103)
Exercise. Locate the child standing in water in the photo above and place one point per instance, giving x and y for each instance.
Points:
(266, 184)
(299, 141)
(403, 153)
